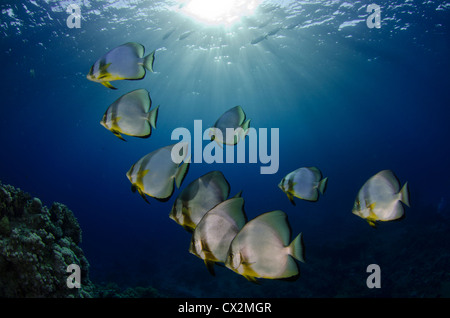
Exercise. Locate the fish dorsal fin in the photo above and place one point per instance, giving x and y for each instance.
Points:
(235, 210)
(103, 69)
(240, 113)
(277, 221)
(140, 98)
(137, 48)
(390, 177)
(316, 172)
(219, 179)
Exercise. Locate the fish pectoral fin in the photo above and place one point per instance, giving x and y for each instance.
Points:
(185, 210)
(205, 248)
(103, 68)
(108, 84)
(210, 267)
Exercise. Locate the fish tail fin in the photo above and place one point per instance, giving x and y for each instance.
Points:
(323, 185)
(181, 173)
(404, 194)
(148, 61)
(297, 248)
(153, 116)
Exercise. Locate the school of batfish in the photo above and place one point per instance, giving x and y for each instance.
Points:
(221, 233)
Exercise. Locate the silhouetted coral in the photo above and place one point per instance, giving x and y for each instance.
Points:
(36, 246)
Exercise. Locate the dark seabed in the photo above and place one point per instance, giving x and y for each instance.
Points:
(348, 99)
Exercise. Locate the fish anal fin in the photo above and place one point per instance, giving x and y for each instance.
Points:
(143, 195)
(252, 279)
(108, 84)
(290, 197)
(118, 135)
(210, 267)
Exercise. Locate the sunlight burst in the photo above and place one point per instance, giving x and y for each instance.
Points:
(219, 12)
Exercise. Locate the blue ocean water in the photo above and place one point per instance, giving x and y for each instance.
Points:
(348, 99)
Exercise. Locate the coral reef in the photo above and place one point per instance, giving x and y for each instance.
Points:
(36, 246)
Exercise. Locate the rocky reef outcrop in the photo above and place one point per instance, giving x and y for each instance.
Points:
(37, 244)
